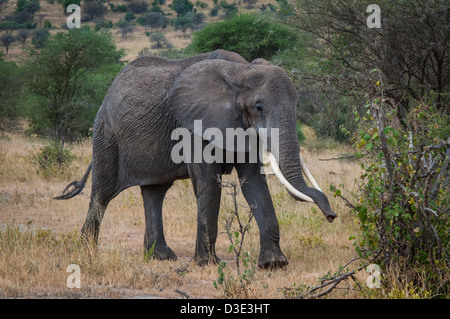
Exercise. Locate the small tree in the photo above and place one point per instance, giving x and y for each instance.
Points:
(237, 226)
(181, 7)
(125, 27)
(248, 34)
(10, 86)
(22, 35)
(183, 23)
(93, 10)
(40, 37)
(151, 19)
(138, 6)
(8, 39)
(160, 41)
(56, 76)
(66, 3)
(403, 200)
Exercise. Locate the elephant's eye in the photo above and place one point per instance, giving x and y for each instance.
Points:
(259, 106)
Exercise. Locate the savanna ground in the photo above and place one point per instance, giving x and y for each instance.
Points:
(134, 42)
(40, 236)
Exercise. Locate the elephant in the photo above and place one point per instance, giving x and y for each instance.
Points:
(153, 96)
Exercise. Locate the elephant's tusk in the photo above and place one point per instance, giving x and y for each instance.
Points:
(283, 180)
(309, 175)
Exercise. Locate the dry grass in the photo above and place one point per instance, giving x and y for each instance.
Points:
(135, 42)
(39, 236)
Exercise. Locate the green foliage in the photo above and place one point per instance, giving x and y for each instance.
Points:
(62, 80)
(93, 10)
(40, 37)
(10, 89)
(184, 23)
(232, 286)
(181, 7)
(129, 16)
(341, 52)
(138, 6)
(20, 5)
(154, 20)
(250, 35)
(326, 113)
(159, 41)
(118, 8)
(103, 24)
(52, 159)
(148, 254)
(403, 201)
(66, 3)
(300, 135)
(7, 39)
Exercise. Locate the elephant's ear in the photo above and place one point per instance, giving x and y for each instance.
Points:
(207, 92)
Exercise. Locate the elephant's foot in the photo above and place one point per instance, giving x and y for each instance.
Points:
(270, 259)
(89, 236)
(163, 253)
(207, 259)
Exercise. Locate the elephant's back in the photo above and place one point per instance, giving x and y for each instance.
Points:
(136, 92)
(135, 118)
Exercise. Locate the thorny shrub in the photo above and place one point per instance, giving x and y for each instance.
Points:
(402, 206)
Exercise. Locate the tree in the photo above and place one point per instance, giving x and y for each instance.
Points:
(3, 3)
(93, 10)
(130, 16)
(8, 39)
(138, 6)
(57, 76)
(248, 34)
(66, 3)
(183, 23)
(25, 12)
(160, 41)
(40, 37)
(125, 27)
(10, 86)
(8, 26)
(22, 35)
(181, 7)
(230, 8)
(151, 19)
(411, 49)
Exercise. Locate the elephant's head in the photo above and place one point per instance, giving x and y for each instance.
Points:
(225, 94)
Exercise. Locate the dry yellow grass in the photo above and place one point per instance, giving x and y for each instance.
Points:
(135, 42)
(39, 236)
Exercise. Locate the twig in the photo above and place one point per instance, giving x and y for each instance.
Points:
(338, 158)
(182, 293)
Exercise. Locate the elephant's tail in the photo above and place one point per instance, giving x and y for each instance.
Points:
(77, 186)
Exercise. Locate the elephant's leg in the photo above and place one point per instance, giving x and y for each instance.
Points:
(257, 195)
(154, 232)
(91, 227)
(104, 188)
(205, 180)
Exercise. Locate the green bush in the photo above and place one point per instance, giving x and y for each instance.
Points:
(67, 80)
(403, 200)
(10, 89)
(300, 135)
(247, 34)
(52, 159)
(66, 3)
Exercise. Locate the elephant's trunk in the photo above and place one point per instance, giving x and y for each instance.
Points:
(289, 172)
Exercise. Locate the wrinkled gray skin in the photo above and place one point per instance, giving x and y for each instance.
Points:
(152, 96)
